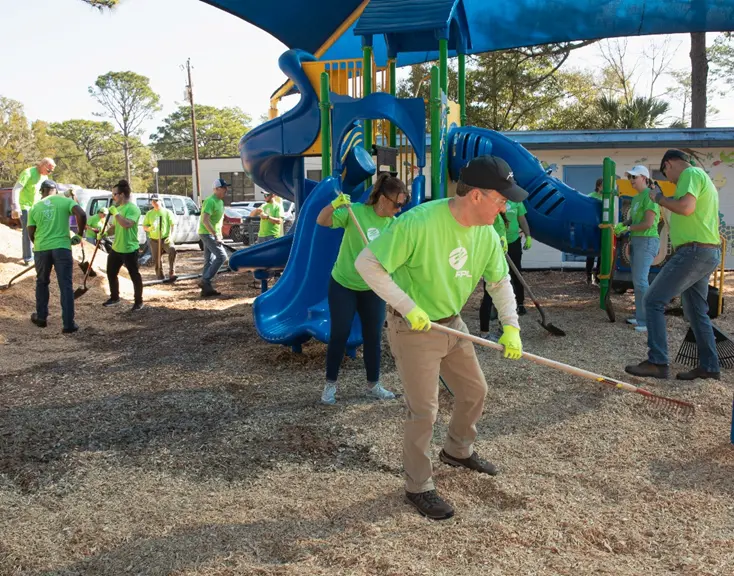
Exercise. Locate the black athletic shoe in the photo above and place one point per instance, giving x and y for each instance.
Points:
(37, 321)
(521, 310)
(137, 306)
(111, 302)
(698, 372)
(71, 330)
(430, 504)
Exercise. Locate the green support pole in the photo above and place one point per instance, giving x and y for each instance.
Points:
(462, 88)
(393, 91)
(609, 191)
(436, 191)
(443, 64)
(325, 106)
(366, 91)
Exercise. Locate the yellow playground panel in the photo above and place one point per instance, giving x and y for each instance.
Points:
(625, 188)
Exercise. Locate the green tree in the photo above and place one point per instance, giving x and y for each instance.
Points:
(640, 113)
(128, 100)
(102, 4)
(218, 130)
(17, 142)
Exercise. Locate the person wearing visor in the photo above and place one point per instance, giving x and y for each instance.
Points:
(271, 218)
(642, 226)
(425, 267)
(694, 235)
(348, 293)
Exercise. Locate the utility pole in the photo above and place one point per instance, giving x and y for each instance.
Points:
(190, 91)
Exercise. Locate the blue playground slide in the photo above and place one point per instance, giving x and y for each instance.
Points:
(559, 216)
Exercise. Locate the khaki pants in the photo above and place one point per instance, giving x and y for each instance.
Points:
(420, 357)
(168, 249)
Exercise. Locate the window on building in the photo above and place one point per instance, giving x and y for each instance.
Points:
(314, 175)
(242, 187)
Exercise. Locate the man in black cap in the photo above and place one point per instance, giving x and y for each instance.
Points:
(436, 254)
(694, 235)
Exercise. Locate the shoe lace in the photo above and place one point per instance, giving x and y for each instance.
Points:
(431, 497)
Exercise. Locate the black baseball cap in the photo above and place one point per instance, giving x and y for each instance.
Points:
(48, 184)
(492, 173)
(673, 154)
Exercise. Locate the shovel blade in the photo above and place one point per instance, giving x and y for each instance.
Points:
(85, 266)
(554, 330)
(79, 292)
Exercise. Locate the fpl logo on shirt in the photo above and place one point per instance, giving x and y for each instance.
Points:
(457, 259)
(372, 233)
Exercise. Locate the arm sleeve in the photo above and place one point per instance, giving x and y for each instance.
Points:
(31, 218)
(689, 183)
(503, 298)
(339, 218)
(22, 180)
(378, 279)
(521, 210)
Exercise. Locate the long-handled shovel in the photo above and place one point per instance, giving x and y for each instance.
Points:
(82, 290)
(160, 244)
(547, 325)
(84, 265)
(669, 404)
(14, 278)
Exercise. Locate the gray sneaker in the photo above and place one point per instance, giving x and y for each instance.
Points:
(430, 504)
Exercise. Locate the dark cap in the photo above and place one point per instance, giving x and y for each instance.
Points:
(155, 197)
(220, 183)
(674, 154)
(492, 173)
(48, 185)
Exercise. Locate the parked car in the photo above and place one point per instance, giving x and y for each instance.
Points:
(232, 225)
(250, 204)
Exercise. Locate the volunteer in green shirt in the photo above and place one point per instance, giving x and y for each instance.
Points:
(271, 218)
(694, 235)
(348, 293)
(590, 267)
(124, 251)
(642, 225)
(210, 233)
(26, 193)
(516, 222)
(94, 229)
(425, 266)
(487, 312)
(158, 223)
(48, 228)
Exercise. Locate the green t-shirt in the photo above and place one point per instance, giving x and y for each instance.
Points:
(352, 244)
(499, 226)
(268, 228)
(437, 261)
(641, 204)
(50, 216)
(596, 195)
(703, 225)
(31, 180)
(153, 219)
(93, 222)
(126, 239)
(215, 208)
(513, 212)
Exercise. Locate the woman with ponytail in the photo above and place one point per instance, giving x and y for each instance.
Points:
(348, 292)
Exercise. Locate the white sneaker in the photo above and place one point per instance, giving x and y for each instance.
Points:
(640, 328)
(328, 396)
(632, 321)
(377, 391)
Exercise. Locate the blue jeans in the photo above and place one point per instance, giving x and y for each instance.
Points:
(644, 250)
(61, 260)
(214, 257)
(343, 303)
(26, 240)
(686, 273)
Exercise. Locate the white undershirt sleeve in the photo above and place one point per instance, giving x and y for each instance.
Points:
(378, 279)
(503, 298)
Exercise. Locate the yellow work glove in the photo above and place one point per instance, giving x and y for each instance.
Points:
(418, 320)
(113, 210)
(76, 239)
(511, 341)
(341, 200)
(503, 241)
(620, 229)
(528, 243)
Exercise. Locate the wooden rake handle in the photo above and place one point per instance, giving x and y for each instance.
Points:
(678, 404)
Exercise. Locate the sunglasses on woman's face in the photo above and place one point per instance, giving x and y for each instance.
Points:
(398, 205)
(631, 177)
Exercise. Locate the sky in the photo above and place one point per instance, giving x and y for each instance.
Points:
(63, 45)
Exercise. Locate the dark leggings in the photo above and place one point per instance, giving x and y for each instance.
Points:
(115, 261)
(343, 303)
(484, 309)
(514, 251)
